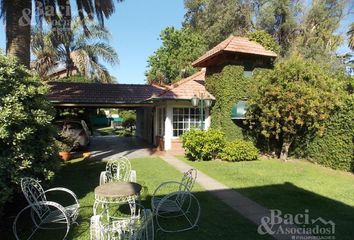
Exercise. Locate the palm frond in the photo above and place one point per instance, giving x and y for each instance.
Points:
(104, 9)
(100, 73)
(3, 9)
(81, 61)
(104, 51)
(44, 51)
(96, 32)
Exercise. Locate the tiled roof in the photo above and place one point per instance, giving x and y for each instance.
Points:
(187, 88)
(235, 44)
(101, 93)
(92, 93)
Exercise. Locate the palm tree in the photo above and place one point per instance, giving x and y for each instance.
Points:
(17, 15)
(75, 49)
(44, 51)
(350, 34)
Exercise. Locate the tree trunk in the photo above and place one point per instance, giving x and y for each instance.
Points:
(68, 62)
(285, 150)
(18, 30)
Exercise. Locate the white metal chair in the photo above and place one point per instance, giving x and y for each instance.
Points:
(179, 203)
(118, 170)
(139, 226)
(44, 213)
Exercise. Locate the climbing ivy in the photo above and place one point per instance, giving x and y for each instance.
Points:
(228, 86)
(335, 148)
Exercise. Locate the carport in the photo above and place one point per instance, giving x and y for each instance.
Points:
(126, 96)
(162, 113)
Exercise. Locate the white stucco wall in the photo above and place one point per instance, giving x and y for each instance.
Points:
(169, 118)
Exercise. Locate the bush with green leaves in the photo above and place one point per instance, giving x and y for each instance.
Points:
(239, 150)
(265, 39)
(297, 96)
(203, 145)
(26, 134)
(335, 148)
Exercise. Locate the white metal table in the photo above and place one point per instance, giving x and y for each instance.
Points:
(115, 193)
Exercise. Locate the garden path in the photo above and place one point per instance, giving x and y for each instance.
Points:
(245, 206)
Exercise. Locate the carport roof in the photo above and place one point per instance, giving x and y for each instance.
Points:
(101, 94)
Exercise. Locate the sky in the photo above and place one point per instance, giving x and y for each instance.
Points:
(135, 27)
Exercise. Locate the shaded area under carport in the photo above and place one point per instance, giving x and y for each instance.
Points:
(112, 147)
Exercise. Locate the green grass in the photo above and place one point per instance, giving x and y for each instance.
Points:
(292, 187)
(217, 221)
(105, 131)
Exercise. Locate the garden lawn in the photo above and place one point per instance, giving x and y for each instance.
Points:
(105, 131)
(292, 187)
(217, 221)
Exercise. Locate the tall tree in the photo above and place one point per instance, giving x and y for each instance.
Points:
(296, 96)
(350, 34)
(280, 19)
(17, 15)
(319, 39)
(218, 19)
(172, 61)
(75, 49)
(44, 51)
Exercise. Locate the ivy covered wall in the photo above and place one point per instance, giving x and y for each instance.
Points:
(335, 148)
(228, 86)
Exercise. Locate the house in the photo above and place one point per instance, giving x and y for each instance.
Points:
(164, 113)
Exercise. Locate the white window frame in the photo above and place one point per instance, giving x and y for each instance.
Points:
(185, 118)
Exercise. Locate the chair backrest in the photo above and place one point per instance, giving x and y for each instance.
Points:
(34, 193)
(186, 186)
(118, 170)
(188, 180)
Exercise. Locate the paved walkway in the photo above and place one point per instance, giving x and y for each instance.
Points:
(245, 206)
(112, 147)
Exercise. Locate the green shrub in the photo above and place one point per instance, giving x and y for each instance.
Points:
(265, 39)
(298, 95)
(203, 145)
(239, 150)
(335, 148)
(26, 134)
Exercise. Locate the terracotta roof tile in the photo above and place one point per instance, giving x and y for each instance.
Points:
(187, 88)
(101, 93)
(235, 44)
(85, 93)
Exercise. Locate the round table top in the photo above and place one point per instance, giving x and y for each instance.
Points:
(118, 189)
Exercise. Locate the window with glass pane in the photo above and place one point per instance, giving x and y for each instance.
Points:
(185, 119)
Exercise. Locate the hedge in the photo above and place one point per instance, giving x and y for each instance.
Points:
(335, 148)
